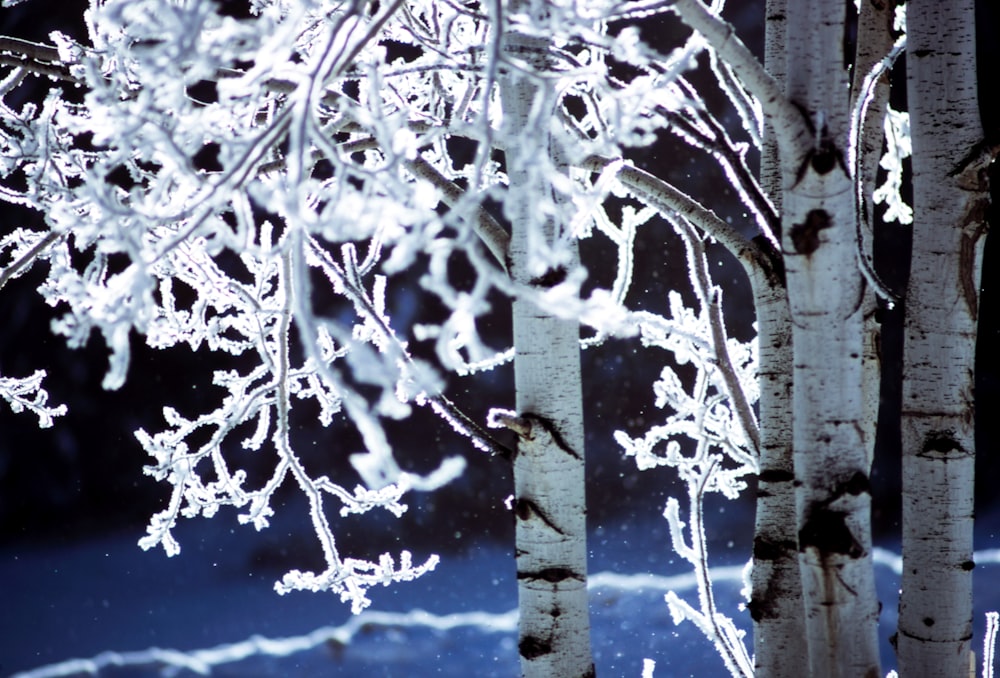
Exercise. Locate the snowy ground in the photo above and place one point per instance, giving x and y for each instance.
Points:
(107, 603)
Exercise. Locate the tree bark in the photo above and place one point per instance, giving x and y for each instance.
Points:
(950, 198)
(776, 585)
(826, 293)
(775, 25)
(549, 499)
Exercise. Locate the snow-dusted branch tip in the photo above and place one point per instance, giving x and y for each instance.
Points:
(27, 394)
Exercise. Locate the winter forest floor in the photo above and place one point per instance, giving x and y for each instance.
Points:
(106, 604)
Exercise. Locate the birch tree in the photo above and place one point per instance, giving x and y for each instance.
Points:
(825, 293)
(951, 195)
(549, 499)
(206, 178)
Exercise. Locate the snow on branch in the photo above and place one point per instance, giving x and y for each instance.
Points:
(27, 394)
(265, 190)
(898, 148)
(199, 194)
(709, 437)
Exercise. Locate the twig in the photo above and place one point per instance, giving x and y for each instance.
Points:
(733, 164)
(698, 265)
(36, 250)
(493, 235)
(722, 37)
(756, 256)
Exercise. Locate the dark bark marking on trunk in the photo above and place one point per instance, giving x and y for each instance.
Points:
(776, 476)
(941, 444)
(550, 278)
(894, 638)
(968, 565)
(550, 427)
(972, 174)
(826, 531)
(824, 156)
(532, 647)
(805, 236)
(974, 227)
(773, 263)
(767, 549)
(760, 609)
(856, 485)
(525, 509)
(765, 606)
(553, 575)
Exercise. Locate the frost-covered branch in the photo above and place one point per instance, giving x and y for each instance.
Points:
(291, 191)
(35, 58)
(856, 159)
(493, 235)
(736, 389)
(27, 394)
(714, 416)
(716, 626)
(722, 38)
(28, 246)
(195, 160)
(757, 257)
(701, 129)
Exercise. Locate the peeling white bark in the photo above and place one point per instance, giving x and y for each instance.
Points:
(950, 197)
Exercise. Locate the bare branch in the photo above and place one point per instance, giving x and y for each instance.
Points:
(721, 36)
(714, 139)
(710, 300)
(493, 235)
(38, 249)
(757, 256)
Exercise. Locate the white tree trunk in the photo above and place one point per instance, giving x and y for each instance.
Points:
(826, 294)
(776, 596)
(549, 498)
(775, 26)
(950, 197)
(776, 586)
